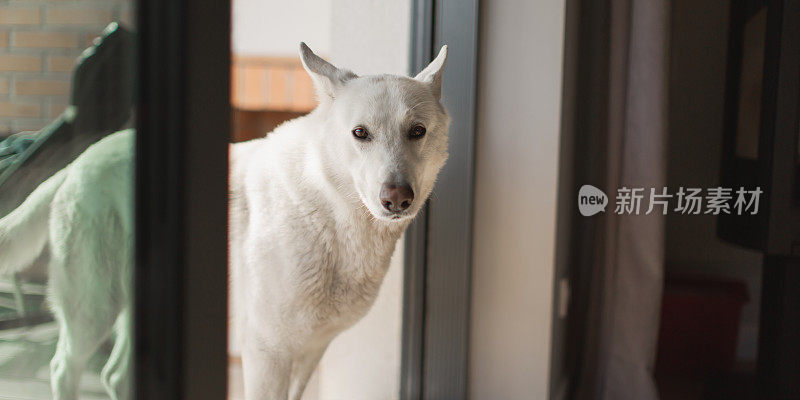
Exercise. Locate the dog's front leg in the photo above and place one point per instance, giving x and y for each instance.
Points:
(266, 373)
(302, 368)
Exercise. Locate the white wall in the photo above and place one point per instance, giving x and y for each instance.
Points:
(371, 36)
(276, 27)
(519, 88)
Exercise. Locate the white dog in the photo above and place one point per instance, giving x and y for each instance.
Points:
(316, 209)
(84, 215)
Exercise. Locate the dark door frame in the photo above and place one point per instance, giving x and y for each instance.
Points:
(438, 245)
(582, 160)
(183, 123)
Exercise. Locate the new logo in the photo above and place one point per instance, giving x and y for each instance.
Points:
(591, 200)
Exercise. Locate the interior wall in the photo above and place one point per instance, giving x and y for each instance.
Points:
(276, 27)
(696, 95)
(519, 109)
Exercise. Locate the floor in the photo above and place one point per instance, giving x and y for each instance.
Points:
(738, 384)
(25, 365)
(236, 385)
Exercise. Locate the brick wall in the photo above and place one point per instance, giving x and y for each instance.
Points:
(39, 42)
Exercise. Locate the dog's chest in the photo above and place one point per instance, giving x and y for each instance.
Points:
(338, 269)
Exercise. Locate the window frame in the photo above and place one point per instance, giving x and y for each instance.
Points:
(183, 120)
(436, 301)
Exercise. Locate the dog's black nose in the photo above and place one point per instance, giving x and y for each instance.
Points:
(396, 198)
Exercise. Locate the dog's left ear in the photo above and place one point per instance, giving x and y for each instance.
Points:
(327, 78)
(432, 74)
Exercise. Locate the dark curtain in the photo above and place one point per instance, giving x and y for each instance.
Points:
(628, 260)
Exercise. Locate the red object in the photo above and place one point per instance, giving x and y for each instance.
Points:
(699, 325)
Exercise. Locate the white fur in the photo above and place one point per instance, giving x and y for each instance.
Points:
(84, 216)
(310, 241)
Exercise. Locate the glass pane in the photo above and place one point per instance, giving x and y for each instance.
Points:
(66, 205)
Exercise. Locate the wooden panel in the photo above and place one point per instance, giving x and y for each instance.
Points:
(249, 125)
(270, 84)
(303, 96)
(253, 86)
(278, 94)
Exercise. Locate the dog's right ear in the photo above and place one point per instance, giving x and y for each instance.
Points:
(327, 78)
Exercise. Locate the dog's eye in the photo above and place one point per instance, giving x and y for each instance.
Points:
(360, 133)
(417, 132)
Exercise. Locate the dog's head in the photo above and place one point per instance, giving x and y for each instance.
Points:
(389, 132)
